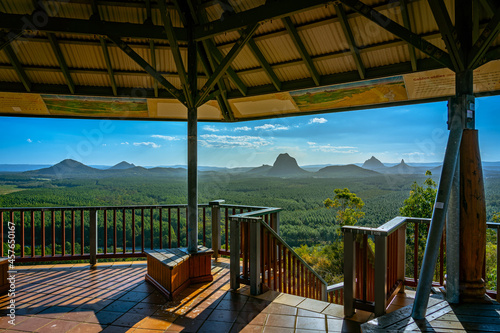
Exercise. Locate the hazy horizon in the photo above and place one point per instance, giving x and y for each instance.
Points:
(415, 133)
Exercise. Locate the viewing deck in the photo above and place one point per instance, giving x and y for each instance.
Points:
(114, 297)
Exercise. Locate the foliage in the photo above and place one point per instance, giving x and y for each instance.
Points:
(348, 206)
(327, 260)
(420, 203)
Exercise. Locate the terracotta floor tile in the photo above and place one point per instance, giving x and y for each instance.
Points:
(185, 325)
(87, 328)
(104, 317)
(117, 329)
(58, 326)
(120, 306)
(280, 309)
(223, 316)
(310, 323)
(156, 323)
(270, 329)
(77, 315)
(31, 324)
(246, 328)
(155, 298)
(134, 296)
(215, 327)
(146, 309)
(307, 313)
(54, 312)
(279, 320)
(233, 305)
(313, 305)
(129, 320)
(254, 318)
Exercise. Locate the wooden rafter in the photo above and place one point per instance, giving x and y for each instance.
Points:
(264, 64)
(62, 62)
(386, 23)
(297, 41)
(407, 24)
(346, 27)
(109, 66)
(176, 93)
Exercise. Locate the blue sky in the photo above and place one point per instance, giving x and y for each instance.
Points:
(416, 133)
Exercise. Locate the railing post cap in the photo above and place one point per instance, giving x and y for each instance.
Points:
(216, 202)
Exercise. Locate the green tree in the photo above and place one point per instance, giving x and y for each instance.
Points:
(348, 206)
(420, 203)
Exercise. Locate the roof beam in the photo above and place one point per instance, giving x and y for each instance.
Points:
(18, 23)
(346, 27)
(169, 29)
(449, 33)
(109, 67)
(62, 62)
(217, 54)
(401, 32)
(265, 65)
(292, 31)
(484, 41)
(489, 5)
(407, 24)
(271, 10)
(153, 64)
(225, 63)
(21, 74)
(208, 65)
(176, 93)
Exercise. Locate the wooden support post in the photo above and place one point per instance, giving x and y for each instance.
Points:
(380, 274)
(401, 255)
(93, 237)
(255, 282)
(216, 227)
(349, 274)
(472, 219)
(235, 267)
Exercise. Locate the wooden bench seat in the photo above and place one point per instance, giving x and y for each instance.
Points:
(173, 270)
(4, 268)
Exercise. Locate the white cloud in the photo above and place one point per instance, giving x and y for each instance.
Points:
(270, 127)
(209, 128)
(229, 141)
(165, 137)
(29, 140)
(244, 128)
(416, 153)
(104, 145)
(152, 144)
(124, 143)
(332, 149)
(318, 121)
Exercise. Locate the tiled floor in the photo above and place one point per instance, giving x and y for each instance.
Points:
(115, 298)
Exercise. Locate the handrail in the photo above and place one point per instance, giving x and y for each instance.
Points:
(292, 251)
(385, 229)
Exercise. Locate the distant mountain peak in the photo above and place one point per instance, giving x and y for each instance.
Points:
(122, 166)
(284, 166)
(403, 161)
(373, 163)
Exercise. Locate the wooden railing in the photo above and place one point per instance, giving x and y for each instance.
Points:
(373, 278)
(88, 233)
(268, 262)
(494, 293)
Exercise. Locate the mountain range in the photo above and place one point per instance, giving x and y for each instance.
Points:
(285, 166)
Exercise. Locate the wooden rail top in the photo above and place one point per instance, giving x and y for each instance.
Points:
(173, 257)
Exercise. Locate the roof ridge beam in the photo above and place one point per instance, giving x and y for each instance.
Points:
(109, 67)
(226, 62)
(480, 48)
(62, 62)
(176, 93)
(401, 32)
(174, 46)
(264, 64)
(346, 27)
(406, 21)
(297, 41)
(449, 33)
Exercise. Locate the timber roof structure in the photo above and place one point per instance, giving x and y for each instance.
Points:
(254, 58)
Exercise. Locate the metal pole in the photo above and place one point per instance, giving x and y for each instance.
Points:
(192, 218)
(439, 214)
